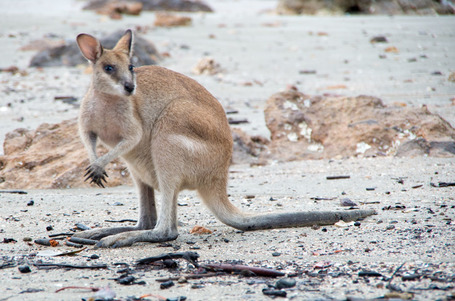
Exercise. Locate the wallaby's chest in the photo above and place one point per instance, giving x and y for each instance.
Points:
(106, 119)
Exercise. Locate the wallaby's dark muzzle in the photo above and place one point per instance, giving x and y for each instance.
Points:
(129, 87)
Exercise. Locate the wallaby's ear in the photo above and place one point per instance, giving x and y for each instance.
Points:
(90, 47)
(125, 44)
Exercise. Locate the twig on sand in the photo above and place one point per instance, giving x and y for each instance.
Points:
(191, 257)
(71, 266)
(239, 268)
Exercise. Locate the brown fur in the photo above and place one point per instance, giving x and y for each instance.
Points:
(173, 135)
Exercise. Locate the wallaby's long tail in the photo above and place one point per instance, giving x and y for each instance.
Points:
(224, 210)
(295, 219)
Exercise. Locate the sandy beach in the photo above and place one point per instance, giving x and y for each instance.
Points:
(260, 53)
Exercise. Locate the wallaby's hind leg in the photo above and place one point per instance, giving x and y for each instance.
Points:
(147, 215)
(165, 228)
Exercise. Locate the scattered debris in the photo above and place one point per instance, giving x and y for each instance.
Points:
(47, 242)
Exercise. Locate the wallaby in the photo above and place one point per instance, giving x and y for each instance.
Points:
(173, 135)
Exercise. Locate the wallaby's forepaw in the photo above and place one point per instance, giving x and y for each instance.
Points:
(97, 175)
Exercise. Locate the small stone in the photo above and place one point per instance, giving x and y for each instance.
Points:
(324, 229)
(357, 224)
(276, 254)
(285, 283)
(379, 39)
(94, 256)
(347, 202)
(126, 280)
(27, 239)
(31, 203)
(166, 284)
(49, 228)
(24, 269)
(272, 292)
(391, 227)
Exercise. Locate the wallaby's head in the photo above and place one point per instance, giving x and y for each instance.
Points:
(113, 72)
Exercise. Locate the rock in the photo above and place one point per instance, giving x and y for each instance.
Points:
(304, 127)
(69, 54)
(387, 7)
(52, 156)
(156, 5)
(285, 283)
(171, 20)
(247, 148)
(207, 66)
(115, 9)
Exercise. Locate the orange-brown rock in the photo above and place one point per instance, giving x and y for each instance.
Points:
(51, 156)
(171, 20)
(305, 127)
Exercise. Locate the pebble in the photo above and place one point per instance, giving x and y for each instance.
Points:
(167, 284)
(126, 280)
(24, 269)
(94, 256)
(276, 254)
(357, 224)
(347, 202)
(31, 203)
(272, 292)
(49, 228)
(285, 283)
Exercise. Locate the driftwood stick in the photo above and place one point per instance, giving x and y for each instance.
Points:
(189, 256)
(238, 268)
(93, 289)
(71, 266)
(191, 276)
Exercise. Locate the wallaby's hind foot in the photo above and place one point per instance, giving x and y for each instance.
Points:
(97, 234)
(128, 238)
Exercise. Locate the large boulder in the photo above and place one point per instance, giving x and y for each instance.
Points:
(388, 7)
(305, 127)
(51, 156)
(156, 5)
(68, 54)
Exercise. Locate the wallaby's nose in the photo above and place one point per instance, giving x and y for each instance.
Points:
(129, 87)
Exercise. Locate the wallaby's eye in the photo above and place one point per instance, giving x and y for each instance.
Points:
(108, 68)
(131, 67)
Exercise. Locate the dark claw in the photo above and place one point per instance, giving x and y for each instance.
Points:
(96, 176)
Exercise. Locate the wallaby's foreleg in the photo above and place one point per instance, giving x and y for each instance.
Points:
(95, 171)
(147, 215)
(165, 229)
